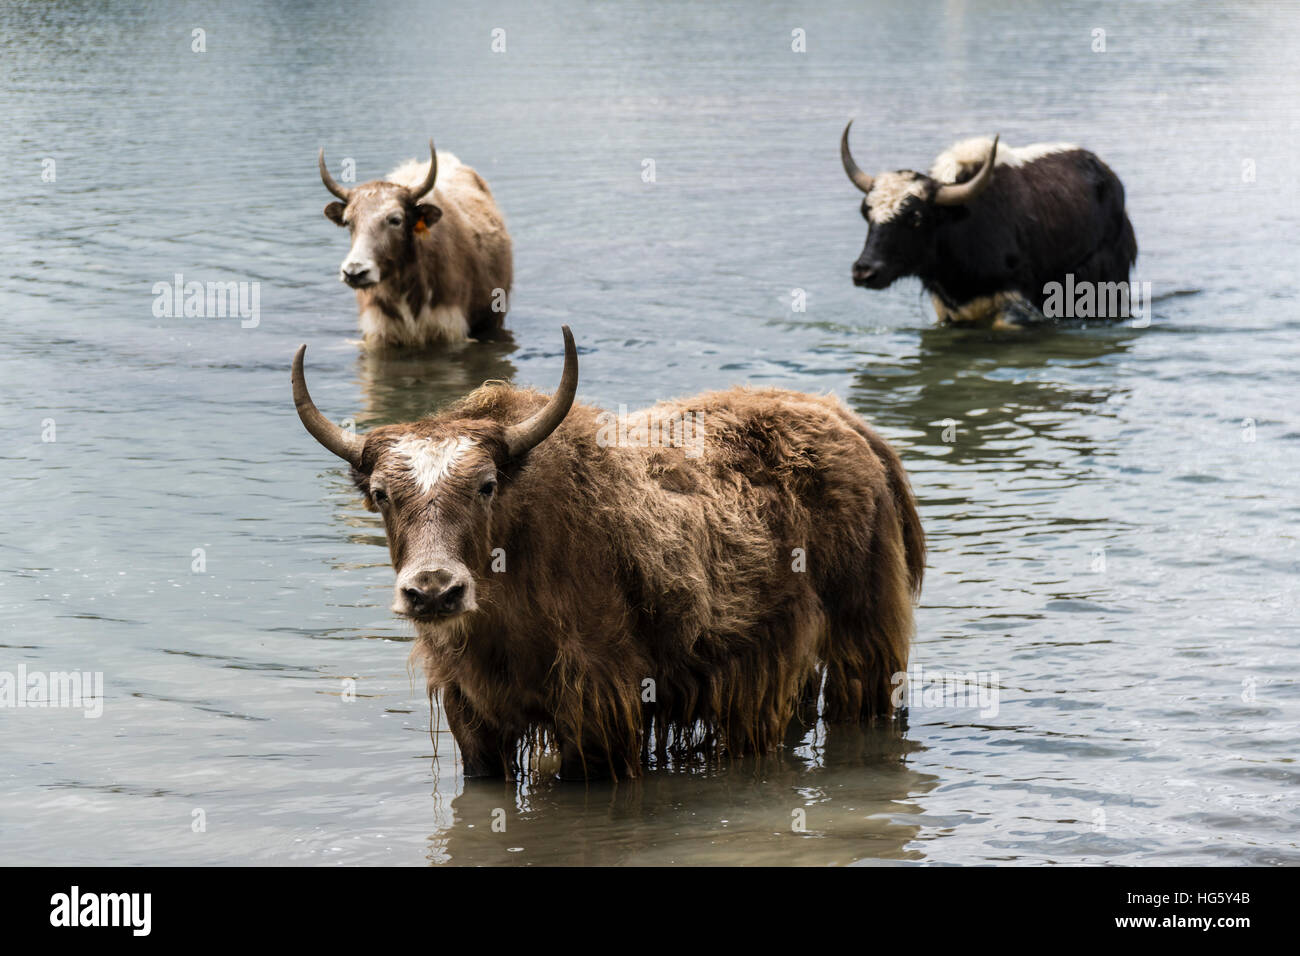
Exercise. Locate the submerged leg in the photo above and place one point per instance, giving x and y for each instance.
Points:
(575, 765)
(1015, 312)
(1006, 310)
(484, 750)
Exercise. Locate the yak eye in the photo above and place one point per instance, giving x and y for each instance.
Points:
(380, 496)
(488, 488)
(395, 219)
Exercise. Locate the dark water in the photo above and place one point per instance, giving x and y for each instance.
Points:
(1113, 523)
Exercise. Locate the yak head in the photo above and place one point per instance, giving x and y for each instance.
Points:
(904, 210)
(436, 482)
(385, 220)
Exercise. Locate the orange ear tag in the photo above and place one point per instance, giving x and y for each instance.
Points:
(420, 227)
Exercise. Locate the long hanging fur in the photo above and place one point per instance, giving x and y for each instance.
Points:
(655, 602)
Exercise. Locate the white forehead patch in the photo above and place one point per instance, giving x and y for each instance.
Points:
(369, 192)
(888, 193)
(973, 152)
(431, 461)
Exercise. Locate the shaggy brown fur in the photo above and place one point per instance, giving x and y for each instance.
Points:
(624, 564)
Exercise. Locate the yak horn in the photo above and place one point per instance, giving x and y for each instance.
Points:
(418, 191)
(338, 440)
(860, 179)
(530, 432)
(328, 180)
(958, 194)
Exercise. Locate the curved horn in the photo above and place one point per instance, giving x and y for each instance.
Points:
(958, 194)
(530, 432)
(338, 440)
(860, 179)
(328, 180)
(418, 191)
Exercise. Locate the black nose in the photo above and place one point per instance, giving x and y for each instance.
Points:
(434, 592)
(863, 273)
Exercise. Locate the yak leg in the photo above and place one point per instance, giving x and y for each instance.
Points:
(870, 630)
(805, 710)
(484, 749)
(485, 325)
(1005, 311)
(575, 765)
(811, 690)
(1017, 312)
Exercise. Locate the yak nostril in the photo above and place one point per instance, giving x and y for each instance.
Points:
(431, 593)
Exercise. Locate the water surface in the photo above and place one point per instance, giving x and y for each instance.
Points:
(1112, 512)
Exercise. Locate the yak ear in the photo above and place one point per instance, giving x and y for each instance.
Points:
(334, 213)
(361, 480)
(426, 215)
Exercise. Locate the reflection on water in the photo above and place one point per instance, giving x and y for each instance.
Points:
(844, 794)
(980, 397)
(1111, 512)
(401, 386)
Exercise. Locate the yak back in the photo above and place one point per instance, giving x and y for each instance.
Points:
(1063, 212)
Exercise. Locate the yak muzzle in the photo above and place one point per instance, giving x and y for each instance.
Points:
(358, 275)
(870, 276)
(429, 595)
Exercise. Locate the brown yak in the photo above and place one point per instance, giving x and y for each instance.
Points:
(681, 580)
(429, 265)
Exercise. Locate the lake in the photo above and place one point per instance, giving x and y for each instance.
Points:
(1113, 512)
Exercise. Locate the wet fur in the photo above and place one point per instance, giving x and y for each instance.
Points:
(1062, 212)
(1051, 209)
(632, 563)
(455, 264)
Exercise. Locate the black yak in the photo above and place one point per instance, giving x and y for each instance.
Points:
(993, 232)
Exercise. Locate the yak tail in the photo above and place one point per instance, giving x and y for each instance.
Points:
(905, 509)
(870, 627)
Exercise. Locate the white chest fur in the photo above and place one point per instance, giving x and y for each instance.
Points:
(434, 325)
